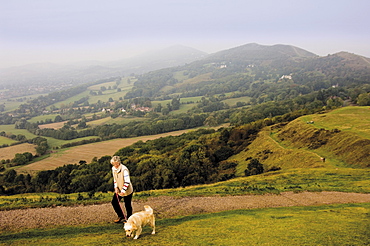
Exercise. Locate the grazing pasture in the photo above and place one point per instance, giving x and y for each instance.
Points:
(43, 118)
(9, 129)
(232, 101)
(5, 140)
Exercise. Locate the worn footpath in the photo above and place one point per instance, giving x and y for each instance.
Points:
(167, 207)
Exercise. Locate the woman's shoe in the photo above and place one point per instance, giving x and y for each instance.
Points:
(118, 220)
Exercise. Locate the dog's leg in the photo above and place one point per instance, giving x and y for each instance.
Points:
(138, 232)
(153, 225)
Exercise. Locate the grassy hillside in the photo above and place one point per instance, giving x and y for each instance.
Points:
(347, 119)
(340, 136)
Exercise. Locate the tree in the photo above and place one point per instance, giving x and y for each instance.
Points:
(58, 118)
(363, 99)
(82, 124)
(211, 121)
(19, 159)
(165, 111)
(20, 124)
(175, 103)
(253, 168)
(9, 176)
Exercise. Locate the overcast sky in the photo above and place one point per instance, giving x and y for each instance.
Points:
(76, 30)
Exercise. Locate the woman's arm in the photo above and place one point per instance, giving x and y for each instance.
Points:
(127, 181)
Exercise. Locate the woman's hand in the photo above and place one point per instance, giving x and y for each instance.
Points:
(116, 190)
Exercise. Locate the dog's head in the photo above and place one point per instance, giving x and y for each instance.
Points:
(129, 229)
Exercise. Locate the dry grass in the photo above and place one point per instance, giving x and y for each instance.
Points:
(56, 125)
(87, 152)
(9, 152)
(271, 153)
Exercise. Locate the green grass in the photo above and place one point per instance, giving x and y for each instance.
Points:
(53, 142)
(344, 224)
(98, 86)
(43, 118)
(184, 108)
(10, 129)
(4, 140)
(295, 180)
(125, 87)
(352, 119)
(233, 101)
(12, 104)
(118, 120)
(50, 199)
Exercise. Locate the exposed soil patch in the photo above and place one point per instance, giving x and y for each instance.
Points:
(167, 207)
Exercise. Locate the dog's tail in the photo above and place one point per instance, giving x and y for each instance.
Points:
(148, 209)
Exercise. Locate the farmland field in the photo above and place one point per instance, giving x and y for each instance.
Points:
(14, 103)
(4, 140)
(233, 101)
(88, 152)
(9, 152)
(118, 120)
(43, 118)
(55, 125)
(9, 129)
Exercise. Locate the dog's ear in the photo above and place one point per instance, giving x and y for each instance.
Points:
(134, 227)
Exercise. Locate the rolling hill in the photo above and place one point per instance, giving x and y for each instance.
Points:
(340, 136)
(238, 69)
(263, 85)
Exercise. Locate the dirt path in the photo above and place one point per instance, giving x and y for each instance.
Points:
(167, 207)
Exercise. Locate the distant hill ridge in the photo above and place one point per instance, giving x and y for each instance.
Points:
(255, 51)
(88, 71)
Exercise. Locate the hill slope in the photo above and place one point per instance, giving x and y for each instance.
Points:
(253, 67)
(341, 137)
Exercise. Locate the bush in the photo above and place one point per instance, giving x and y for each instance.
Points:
(254, 167)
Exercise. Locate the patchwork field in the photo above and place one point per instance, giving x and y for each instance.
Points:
(87, 152)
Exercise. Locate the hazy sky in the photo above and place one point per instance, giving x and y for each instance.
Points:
(74, 30)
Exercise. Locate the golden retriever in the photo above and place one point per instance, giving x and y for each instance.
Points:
(138, 220)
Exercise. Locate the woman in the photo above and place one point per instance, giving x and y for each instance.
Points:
(122, 189)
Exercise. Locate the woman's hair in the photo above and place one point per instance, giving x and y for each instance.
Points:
(115, 159)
